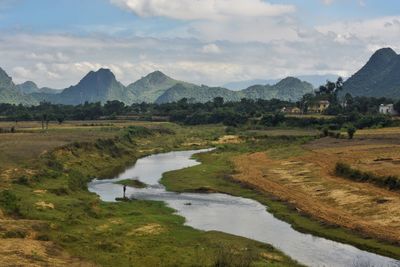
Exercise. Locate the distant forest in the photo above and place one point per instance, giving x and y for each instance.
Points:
(362, 112)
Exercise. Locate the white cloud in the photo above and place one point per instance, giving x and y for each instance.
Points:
(378, 32)
(203, 9)
(211, 49)
(132, 58)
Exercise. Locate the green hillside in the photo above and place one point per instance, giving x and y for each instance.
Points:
(290, 89)
(195, 93)
(380, 77)
(151, 87)
(287, 89)
(10, 94)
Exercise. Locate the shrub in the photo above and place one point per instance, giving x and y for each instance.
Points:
(230, 130)
(346, 171)
(351, 130)
(22, 180)
(15, 234)
(77, 181)
(325, 131)
(9, 202)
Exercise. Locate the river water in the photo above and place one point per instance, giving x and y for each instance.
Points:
(233, 215)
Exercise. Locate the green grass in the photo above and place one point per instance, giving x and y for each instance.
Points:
(215, 174)
(135, 233)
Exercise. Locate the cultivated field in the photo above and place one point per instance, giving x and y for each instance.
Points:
(304, 176)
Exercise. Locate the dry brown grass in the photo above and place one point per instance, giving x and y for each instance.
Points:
(18, 150)
(28, 251)
(307, 181)
(30, 141)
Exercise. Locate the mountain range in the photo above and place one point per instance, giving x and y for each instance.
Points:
(156, 87)
(315, 80)
(380, 77)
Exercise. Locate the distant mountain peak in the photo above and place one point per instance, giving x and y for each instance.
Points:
(387, 51)
(156, 77)
(379, 77)
(28, 87)
(101, 77)
(5, 80)
(291, 81)
(29, 83)
(383, 56)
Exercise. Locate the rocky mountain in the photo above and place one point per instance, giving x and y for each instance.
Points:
(380, 77)
(102, 86)
(30, 87)
(151, 87)
(315, 80)
(195, 93)
(10, 94)
(288, 89)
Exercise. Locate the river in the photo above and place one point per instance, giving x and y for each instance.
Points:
(233, 215)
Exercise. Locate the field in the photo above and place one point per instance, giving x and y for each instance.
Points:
(301, 175)
(305, 178)
(50, 219)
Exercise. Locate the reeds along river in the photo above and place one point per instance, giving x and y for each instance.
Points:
(233, 215)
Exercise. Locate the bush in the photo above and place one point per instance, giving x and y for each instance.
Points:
(351, 130)
(77, 181)
(230, 130)
(346, 171)
(22, 180)
(9, 202)
(15, 234)
(325, 131)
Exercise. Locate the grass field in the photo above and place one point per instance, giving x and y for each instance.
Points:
(285, 170)
(49, 217)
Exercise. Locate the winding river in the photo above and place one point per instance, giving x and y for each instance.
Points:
(233, 215)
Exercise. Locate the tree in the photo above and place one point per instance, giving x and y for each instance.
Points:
(397, 106)
(60, 118)
(113, 107)
(351, 130)
(218, 101)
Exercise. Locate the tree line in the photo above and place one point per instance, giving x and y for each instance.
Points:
(361, 111)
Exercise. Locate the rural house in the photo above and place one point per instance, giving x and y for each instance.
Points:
(387, 109)
(318, 107)
(291, 110)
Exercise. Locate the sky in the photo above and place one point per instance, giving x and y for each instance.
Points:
(56, 42)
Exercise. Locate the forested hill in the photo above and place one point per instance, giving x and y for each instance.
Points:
(380, 77)
(289, 89)
(10, 94)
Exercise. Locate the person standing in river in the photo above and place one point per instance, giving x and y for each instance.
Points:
(124, 191)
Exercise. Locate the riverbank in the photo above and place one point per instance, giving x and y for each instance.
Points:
(47, 203)
(220, 172)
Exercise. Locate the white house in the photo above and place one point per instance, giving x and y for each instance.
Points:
(387, 109)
